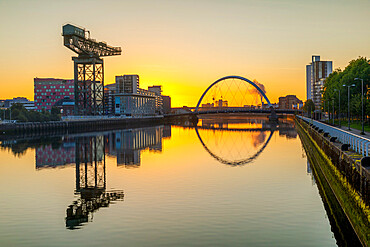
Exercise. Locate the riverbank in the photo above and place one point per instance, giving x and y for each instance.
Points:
(74, 126)
(89, 124)
(338, 169)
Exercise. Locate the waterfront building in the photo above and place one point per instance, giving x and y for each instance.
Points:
(109, 91)
(221, 103)
(158, 98)
(29, 105)
(47, 91)
(289, 102)
(66, 106)
(316, 73)
(166, 104)
(130, 100)
(127, 84)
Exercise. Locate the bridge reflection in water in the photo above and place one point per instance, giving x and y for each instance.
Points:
(231, 140)
(237, 141)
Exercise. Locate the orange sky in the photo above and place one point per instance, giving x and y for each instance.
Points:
(184, 45)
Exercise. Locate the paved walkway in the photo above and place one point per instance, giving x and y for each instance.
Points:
(354, 131)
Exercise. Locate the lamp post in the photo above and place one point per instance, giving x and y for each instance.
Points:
(333, 112)
(349, 128)
(362, 103)
(338, 107)
(328, 110)
(324, 108)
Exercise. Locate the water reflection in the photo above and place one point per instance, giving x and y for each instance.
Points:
(166, 199)
(56, 156)
(237, 141)
(127, 145)
(60, 151)
(87, 152)
(90, 181)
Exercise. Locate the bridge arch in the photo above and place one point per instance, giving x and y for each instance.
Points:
(233, 77)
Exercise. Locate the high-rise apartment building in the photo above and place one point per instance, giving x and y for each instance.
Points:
(127, 84)
(109, 91)
(316, 73)
(166, 104)
(47, 91)
(130, 100)
(158, 98)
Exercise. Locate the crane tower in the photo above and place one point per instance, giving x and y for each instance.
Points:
(88, 69)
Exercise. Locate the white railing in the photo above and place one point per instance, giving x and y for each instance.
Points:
(358, 143)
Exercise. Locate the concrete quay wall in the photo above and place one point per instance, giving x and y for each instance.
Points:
(343, 172)
(74, 126)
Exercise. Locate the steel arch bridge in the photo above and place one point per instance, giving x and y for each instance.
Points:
(239, 78)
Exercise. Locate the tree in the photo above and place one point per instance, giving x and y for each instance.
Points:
(309, 106)
(357, 68)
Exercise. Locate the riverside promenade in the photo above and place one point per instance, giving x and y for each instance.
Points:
(342, 158)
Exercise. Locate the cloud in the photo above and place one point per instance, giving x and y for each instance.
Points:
(260, 85)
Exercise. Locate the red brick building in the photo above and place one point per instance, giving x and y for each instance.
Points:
(289, 102)
(47, 91)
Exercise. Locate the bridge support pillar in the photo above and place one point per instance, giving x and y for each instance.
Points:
(194, 120)
(273, 117)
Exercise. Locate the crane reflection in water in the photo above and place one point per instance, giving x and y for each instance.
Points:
(90, 182)
(88, 152)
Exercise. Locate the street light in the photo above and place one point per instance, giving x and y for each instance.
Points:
(333, 112)
(324, 109)
(362, 103)
(338, 107)
(348, 102)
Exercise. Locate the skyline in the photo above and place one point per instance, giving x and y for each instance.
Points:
(187, 45)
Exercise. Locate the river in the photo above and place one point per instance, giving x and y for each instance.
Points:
(232, 181)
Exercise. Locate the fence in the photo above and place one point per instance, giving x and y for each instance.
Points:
(358, 143)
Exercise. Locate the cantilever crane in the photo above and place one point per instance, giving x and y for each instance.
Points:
(88, 69)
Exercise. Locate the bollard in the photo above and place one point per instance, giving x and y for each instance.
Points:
(365, 161)
(345, 147)
(333, 139)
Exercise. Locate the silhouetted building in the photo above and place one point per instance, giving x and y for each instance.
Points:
(29, 105)
(221, 103)
(166, 104)
(65, 106)
(289, 101)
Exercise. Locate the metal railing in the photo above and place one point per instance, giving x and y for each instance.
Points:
(357, 143)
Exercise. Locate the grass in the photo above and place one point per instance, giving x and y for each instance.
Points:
(354, 124)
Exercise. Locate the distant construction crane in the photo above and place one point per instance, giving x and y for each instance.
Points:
(88, 69)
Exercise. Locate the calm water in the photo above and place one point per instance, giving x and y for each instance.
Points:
(229, 182)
